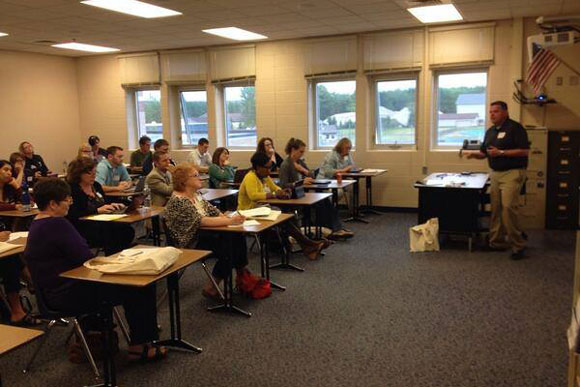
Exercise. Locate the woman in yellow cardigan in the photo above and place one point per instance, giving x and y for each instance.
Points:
(257, 185)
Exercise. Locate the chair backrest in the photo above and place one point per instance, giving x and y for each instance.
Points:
(45, 311)
(168, 239)
(240, 174)
(315, 173)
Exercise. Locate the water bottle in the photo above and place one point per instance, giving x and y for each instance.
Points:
(147, 194)
(25, 198)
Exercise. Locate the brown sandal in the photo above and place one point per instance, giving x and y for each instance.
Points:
(144, 357)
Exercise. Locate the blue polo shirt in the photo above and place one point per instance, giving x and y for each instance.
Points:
(111, 176)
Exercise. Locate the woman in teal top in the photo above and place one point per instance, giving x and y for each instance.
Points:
(220, 171)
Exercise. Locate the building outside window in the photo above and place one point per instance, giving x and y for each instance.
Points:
(240, 116)
(335, 112)
(461, 107)
(148, 109)
(193, 116)
(395, 113)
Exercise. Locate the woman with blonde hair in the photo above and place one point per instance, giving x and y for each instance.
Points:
(187, 211)
(85, 150)
(339, 160)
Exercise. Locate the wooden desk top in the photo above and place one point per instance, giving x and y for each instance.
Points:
(475, 180)
(365, 174)
(14, 337)
(309, 199)
(21, 242)
(133, 216)
(333, 185)
(210, 194)
(264, 225)
(186, 258)
(19, 214)
(123, 194)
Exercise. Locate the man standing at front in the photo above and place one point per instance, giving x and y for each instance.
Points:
(506, 147)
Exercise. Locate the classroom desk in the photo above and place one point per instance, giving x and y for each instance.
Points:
(456, 199)
(124, 194)
(368, 176)
(211, 194)
(21, 242)
(139, 215)
(187, 258)
(257, 230)
(333, 186)
(19, 213)
(304, 203)
(15, 337)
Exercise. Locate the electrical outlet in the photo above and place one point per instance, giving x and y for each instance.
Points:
(424, 170)
(574, 80)
(559, 81)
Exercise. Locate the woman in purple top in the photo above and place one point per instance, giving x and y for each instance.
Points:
(55, 246)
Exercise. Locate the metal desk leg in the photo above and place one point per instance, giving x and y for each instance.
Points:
(228, 304)
(369, 191)
(175, 318)
(265, 259)
(109, 373)
(156, 229)
(355, 206)
(284, 263)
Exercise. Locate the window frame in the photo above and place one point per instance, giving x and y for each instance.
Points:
(374, 81)
(181, 89)
(224, 111)
(135, 109)
(435, 93)
(313, 110)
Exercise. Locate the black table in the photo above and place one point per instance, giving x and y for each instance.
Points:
(456, 199)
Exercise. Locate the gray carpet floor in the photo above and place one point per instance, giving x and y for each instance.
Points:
(368, 314)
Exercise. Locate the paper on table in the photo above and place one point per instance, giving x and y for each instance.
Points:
(106, 217)
(246, 223)
(272, 217)
(7, 246)
(370, 170)
(16, 235)
(256, 212)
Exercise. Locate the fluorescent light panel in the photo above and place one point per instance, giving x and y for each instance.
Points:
(436, 13)
(235, 33)
(133, 7)
(85, 47)
(3, 34)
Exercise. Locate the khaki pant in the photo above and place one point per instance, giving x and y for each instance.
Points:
(504, 193)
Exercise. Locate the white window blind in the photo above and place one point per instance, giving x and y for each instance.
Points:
(330, 56)
(464, 45)
(139, 69)
(183, 66)
(233, 63)
(393, 51)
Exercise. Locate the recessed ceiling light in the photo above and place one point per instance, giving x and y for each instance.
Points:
(3, 34)
(133, 7)
(85, 47)
(436, 13)
(235, 33)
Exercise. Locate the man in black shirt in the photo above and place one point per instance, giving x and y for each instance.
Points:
(506, 148)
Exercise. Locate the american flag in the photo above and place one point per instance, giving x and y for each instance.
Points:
(543, 65)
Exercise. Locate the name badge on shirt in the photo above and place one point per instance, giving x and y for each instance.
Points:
(501, 135)
(99, 195)
(267, 189)
(116, 178)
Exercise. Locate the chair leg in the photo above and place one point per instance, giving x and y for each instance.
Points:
(122, 324)
(88, 354)
(40, 345)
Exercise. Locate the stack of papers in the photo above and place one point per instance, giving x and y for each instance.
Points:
(261, 213)
(4, 247)
(16, 235)
(246, 223)
(106, 217)
(370, 170)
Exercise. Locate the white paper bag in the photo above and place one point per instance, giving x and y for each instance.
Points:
(136, 261)
(425, 237)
